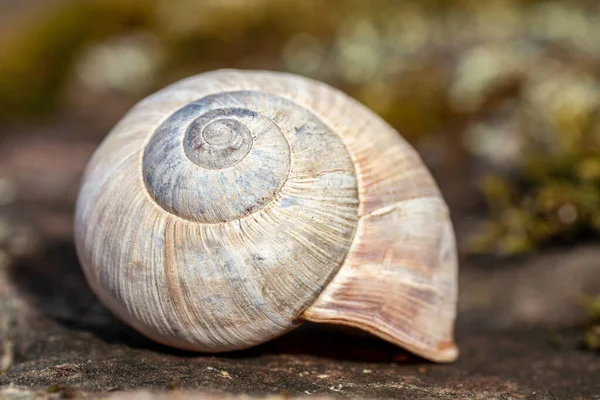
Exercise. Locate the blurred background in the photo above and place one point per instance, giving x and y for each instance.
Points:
(501, 98)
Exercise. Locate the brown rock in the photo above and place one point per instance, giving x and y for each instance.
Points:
(66, 342)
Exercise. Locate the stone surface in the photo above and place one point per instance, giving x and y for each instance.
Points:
(64, 343)
(520, 325)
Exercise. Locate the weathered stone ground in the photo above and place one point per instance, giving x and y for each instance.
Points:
(57, 340)
(520, 325)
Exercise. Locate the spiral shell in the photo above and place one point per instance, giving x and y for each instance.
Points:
(226, 208)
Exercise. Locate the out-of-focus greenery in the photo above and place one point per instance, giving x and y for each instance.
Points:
(515, 84)
(38, 56)
(592, 335)
(554, 193)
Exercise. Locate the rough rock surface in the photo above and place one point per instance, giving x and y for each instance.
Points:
(520, 326)
(59, 341)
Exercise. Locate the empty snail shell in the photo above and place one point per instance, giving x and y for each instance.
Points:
(227, 208)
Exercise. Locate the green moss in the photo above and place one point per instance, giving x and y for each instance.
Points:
(39, 58)
(555, 339)
(554, 195)
(54, 389)
(591, 337)
(37, 61)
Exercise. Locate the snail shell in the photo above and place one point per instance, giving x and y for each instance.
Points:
(227, 208)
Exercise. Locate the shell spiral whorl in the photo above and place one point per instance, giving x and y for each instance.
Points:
(215, 140)
(222, 157)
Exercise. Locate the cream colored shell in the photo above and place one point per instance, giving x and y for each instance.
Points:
(230, 206)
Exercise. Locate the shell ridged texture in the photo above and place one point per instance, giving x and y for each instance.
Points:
(233, 210)
(220, 208)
